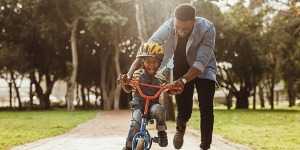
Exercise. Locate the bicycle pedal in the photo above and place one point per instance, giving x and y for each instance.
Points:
(155, 139)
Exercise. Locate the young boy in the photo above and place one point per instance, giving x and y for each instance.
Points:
(152, 55)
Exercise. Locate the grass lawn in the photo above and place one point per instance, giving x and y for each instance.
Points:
(259, 129)
(17, 128)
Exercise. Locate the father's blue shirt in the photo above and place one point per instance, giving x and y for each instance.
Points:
(199, 48)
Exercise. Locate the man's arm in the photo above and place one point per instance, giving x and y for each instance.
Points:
(191, 74)
(161, 34)
(135, 66)
(205, 49)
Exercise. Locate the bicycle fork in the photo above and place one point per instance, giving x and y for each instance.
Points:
(142, 134)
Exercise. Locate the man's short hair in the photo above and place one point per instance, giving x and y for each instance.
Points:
(185, 12)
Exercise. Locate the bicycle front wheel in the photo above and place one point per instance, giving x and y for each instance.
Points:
(140, 144)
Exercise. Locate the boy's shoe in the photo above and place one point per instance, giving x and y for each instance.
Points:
(127, 145)
(163, 139)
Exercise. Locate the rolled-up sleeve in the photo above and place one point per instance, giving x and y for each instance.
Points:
(160, 35)
(205, 49)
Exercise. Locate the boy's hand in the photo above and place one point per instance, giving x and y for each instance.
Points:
(123, 79)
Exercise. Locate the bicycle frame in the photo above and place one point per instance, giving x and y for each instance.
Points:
(143, 132)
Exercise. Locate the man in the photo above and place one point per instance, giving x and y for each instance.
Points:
(190, 41)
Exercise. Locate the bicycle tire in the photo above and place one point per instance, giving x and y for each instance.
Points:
(140, 144)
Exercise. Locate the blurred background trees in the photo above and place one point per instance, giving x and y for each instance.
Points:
(87, 43)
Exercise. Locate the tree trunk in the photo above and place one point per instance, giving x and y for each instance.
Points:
(70, 94)
(167, 102)
(44, 97)
(18, 94)
(84, 103)
(88, 97)
(124, 99)
(229, 100)
(254, 98)
(31, 95)
(77, 95)
(140, 20)
(271, 98)
(117, 91)
(242, 99)
(16, 89)
(50, 83)
(261, 96)
(107, 100)
(291, 95)
(38, 89)
(10, 94)
(73, 27)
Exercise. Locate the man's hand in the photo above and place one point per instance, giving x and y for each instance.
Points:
(178, 83)
(123, 79)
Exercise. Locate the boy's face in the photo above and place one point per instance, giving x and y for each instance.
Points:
(151, 65)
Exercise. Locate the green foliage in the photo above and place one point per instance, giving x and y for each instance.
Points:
(240, 46)
(13, 58)
(16, 128)
(209, 11)
(99, 14)
(284, 41)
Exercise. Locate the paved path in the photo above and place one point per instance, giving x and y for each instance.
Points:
(108, 131)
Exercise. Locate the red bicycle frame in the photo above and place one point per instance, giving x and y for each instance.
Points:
(145, 140)
(147, 97)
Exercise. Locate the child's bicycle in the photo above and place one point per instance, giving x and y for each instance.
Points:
(142, 139)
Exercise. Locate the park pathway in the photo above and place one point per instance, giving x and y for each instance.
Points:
(108, 131)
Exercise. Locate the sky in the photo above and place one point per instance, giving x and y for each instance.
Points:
(273, 3)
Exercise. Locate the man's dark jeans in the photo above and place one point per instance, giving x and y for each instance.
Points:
(206, 90)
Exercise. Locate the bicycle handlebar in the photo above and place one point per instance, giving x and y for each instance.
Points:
(161, 88)
(148, 97)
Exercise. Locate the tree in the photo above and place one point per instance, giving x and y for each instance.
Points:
(13, 65)
(139, 13)
(278, 47)
(13, 61)
(72, 26)
(287, 25)
(239, 42)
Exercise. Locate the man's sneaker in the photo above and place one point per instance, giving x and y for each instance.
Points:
(178, 137)
(126, 148)
(203, 147)
(163, 138)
